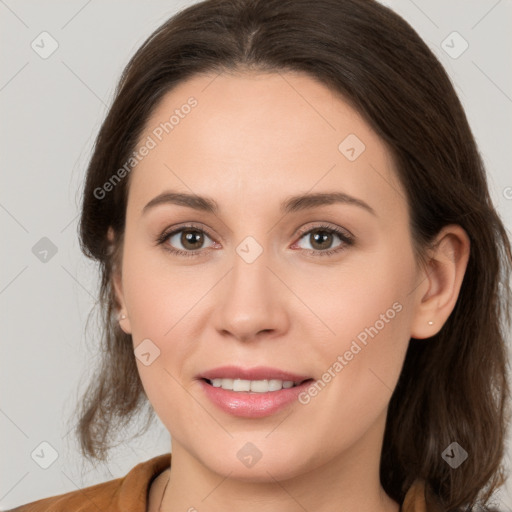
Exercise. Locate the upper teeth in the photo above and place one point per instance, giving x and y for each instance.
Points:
(257, 386)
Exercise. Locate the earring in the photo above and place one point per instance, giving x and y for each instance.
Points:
(122, 317)
(430, 322)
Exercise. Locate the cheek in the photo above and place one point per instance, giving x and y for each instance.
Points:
(367, 290)
(158, 302)
(359, 365)
(157, 293)
(365, 311)
(162, 304)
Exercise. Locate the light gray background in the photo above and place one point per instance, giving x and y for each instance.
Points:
(51, 111)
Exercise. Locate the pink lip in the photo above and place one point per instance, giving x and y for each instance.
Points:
(257, 373)
(250, 404)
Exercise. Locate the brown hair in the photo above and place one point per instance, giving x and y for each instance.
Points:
(453, 387)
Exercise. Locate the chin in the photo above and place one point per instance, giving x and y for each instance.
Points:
(247, 463)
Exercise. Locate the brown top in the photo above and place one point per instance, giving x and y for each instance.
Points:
(131, 493)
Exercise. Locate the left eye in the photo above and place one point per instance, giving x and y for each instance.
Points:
(321, 238)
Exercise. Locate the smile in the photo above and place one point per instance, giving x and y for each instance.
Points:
(254, 386)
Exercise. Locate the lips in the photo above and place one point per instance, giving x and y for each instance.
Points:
(257, 373)
(271, 389)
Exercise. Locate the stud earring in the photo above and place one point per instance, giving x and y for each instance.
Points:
(122, 317)
(430, 322)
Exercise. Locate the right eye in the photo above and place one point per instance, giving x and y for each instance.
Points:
(190, 237)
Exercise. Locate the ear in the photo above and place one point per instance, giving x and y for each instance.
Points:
(442, 280)
(117, 283)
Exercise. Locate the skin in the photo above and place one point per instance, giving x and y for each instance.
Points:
(253, 140)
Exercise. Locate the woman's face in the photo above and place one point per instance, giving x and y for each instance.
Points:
(265, 281)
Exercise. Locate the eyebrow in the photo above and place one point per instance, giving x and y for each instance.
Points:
(290, 205)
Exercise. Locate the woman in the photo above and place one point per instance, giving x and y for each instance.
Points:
(302, 269)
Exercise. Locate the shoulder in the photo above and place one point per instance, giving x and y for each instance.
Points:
(96, 497)
(416, 500)
(112, 496)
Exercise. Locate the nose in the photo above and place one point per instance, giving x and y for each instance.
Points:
(252, 302)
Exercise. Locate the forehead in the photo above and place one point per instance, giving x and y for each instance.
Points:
(264, 133)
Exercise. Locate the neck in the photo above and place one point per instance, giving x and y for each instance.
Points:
(351, 480)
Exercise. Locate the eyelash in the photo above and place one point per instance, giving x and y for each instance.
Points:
(347, 240)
